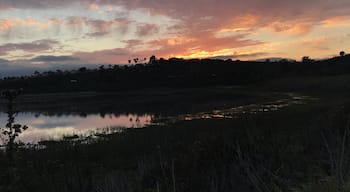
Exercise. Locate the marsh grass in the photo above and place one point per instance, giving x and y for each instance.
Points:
(199, 155)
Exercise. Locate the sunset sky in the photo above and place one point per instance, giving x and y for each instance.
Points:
(72, 32)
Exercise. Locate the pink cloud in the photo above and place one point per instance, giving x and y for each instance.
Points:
(196, 9)
(198, 22)
(292, 17)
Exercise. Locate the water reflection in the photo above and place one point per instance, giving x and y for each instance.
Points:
(237, 112)
(54, 123)
(43, 127)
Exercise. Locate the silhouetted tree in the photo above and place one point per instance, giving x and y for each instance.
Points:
(11, 130)
(342, 53)
(36, 73)
(58, 71)
(12, 179)
(82, 69)
(172, 72)
(136, 60)
(152, 59)
(306, 59)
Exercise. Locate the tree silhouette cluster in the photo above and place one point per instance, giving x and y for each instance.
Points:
(172, 73)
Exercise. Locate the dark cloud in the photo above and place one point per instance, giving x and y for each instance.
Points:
(105, 56)
(132, 44)
(182, 9)
(214, 14)
(101, 27)
(35, 46)
(218, 8)
(34, 4)
(147, 29)
(52, 58)
(258, 54)
(13, 68)
(98, 27)
(26, 67)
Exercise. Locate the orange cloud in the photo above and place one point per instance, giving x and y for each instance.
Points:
(233, 29)
(199, 28)
(298, 28)
(55, 21)
(32, 22)
(247, 20)
(93, 6)
(336, 21)
(181, 46)
(316, 44)
(179, 40)
(6, 24)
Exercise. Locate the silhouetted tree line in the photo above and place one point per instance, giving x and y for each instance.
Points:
(174, 72)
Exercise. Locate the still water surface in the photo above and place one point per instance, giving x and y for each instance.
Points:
(43, 127)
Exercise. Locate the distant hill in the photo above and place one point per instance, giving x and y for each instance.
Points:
(275, 59)
(339, 59)
(174, 73)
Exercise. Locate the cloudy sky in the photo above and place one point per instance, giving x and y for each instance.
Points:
(67, 32)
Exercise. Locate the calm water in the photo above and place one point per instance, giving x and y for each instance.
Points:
(53, 127)
(45, 125)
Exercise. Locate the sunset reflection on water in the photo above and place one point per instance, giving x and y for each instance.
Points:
(54, 127)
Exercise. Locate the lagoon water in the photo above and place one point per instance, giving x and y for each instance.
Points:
(43, 127)
(57, 122)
